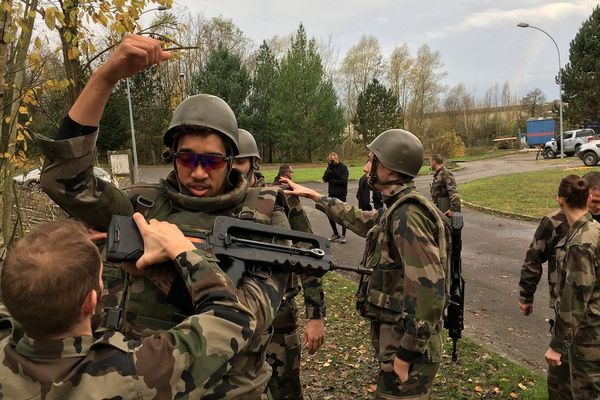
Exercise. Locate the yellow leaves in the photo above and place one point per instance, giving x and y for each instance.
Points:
(7, 6)
(7, 120)
(478, 389)
(100, 18)
(37, 42)
(513, 395)
(72, 53)
(23, 110)
(521, 386)
(50, 18)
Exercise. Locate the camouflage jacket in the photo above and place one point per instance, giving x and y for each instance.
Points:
(184, 362)
(444, 186)
(552, 228)
(312, 286)
(155, 302)
(578, 302)
(406, 246)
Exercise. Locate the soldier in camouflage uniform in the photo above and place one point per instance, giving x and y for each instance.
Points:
(407, 247)
(51, 352)
(443, 188)
(551, 229)
(283, 352)
(203, 136)
(576, 332)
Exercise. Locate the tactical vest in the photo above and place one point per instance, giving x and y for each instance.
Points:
(145, 308)
(376, 297)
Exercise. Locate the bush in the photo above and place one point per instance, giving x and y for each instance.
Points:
(448, 144)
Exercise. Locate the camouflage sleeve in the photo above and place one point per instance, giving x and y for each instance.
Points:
(200, 349)
(424, 287)
(67, 177)
(312, 286)
(538, 253)
(353, 218)
(450, 183)
(6, 322)
(571, 304)
(262, 290)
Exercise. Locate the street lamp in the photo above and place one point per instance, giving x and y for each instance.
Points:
(560, 103)
(136, 170)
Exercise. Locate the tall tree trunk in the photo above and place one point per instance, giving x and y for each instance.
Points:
(16, 79)
(70, 49)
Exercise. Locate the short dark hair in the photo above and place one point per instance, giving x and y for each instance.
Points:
(575, 191)
(47, 275)
(438, 158)
(283, 168)
(593, 179)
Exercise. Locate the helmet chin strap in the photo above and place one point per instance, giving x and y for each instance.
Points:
(375, 179)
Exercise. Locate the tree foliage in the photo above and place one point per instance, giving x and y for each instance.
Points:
(259, 101)
(225, 76)
(304, 108)
(534, 103)
(581, 76)
(376, 111)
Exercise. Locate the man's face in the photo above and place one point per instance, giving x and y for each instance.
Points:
(243, 164)
(334, 158)
(202, 180)
(289, 174)
(594, 202)
(383, 173)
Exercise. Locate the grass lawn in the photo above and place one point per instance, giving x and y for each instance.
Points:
(529, 193)
(314, 174)
(344, 369)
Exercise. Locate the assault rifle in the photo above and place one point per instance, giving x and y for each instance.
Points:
(239, 244)
(454, 318)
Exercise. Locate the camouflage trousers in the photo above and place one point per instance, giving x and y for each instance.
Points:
(420, 378)
(283, 354)
(559, 381)
(585, 371)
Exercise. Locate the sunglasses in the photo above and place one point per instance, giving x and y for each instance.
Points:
(208, 162)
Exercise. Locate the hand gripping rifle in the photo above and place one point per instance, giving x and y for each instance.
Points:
(239, 244)
(454, 318)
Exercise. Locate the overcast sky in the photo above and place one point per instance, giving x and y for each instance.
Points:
(478, 40)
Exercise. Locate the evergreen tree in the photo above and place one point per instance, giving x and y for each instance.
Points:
(581, 76)
(259, 101)
(377, 110)
(115, 131)
(225, 76)
(304, 107)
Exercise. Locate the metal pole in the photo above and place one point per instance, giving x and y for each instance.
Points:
(560, 102)
(133, 145)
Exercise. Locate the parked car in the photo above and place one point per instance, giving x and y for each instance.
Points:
(573, 140)
(590, 153)
(31, 179)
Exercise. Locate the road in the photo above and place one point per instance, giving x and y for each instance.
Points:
(493, 250)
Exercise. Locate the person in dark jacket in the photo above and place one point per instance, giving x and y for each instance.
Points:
(336, 175)
(368, 198)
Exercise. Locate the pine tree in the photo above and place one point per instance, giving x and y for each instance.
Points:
(259, 101)
(304, 107)
(581, 76)
(225, 76)
(376, 111)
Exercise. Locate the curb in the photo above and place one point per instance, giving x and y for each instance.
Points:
(500, 213)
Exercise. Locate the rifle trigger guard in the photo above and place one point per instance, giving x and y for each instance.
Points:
(318, 252)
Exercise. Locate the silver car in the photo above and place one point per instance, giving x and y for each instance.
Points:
(31, 179)
(590, 153)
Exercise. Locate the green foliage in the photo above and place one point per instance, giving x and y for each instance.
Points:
(150, 111)
(304, 107)
(376, 111)
(581, 76)
(114, 125)
(259, 101)
(448, 144)
(225, 76)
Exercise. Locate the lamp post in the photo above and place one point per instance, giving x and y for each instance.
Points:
(136, 169)
(560, 103)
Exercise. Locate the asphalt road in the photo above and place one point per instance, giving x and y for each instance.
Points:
(493, 250)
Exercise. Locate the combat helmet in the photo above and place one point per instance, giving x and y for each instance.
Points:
(398, 150)
(205, 111)
(247, 145)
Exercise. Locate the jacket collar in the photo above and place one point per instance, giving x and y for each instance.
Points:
(68, 347)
